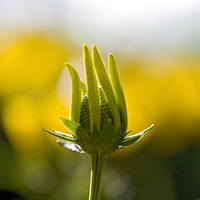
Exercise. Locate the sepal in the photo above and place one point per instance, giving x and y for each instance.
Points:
(83, 139)
(93, 92)
(105, 82)
(107, 142)
(134, 138)
(118, 90)
(86, 141)
(70, 125)
(62, 136)
(73, 147)
(83, 88)
(76, 94)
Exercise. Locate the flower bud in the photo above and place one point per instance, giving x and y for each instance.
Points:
(98, 122)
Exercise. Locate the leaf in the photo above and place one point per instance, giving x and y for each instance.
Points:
(93, 91)
(134, 138)
(106, 86)
(76, 94)
(63, 137)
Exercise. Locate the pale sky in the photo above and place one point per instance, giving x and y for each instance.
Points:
(131, 24)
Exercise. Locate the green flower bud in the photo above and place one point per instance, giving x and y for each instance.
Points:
(85, 111)
(98, 122)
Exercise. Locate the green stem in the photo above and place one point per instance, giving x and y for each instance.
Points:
(96, 175)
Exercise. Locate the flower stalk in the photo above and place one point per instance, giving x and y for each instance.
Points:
(97, 163)
(98, 116)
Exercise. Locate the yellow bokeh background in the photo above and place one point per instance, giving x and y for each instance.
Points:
(156, 91)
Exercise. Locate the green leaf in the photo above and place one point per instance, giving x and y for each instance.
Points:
(70, 125)
(106, 86)
(83, 88)
(76, 94)
(134, 138)
(62, 137)
(93, 92)
(118, 90)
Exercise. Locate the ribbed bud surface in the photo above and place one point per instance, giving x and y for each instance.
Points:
(85, 112)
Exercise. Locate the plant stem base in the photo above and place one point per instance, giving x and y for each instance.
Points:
(97, 161)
